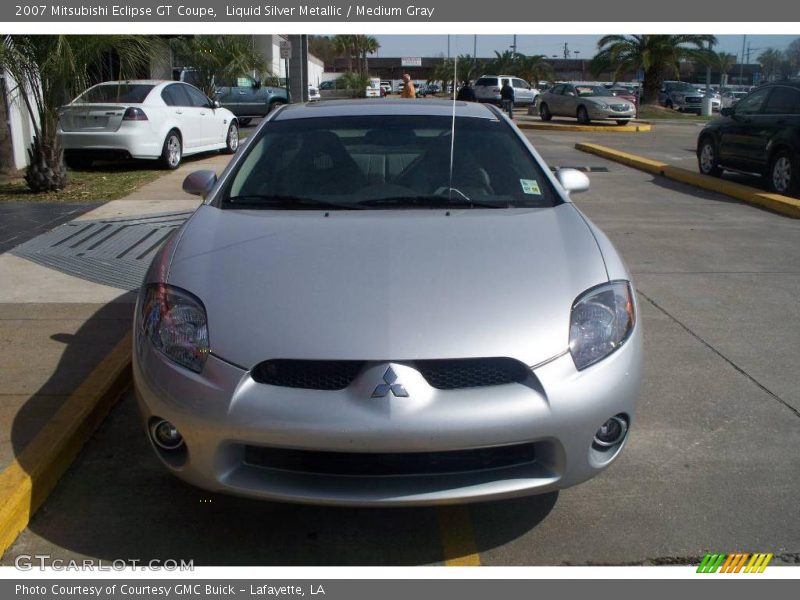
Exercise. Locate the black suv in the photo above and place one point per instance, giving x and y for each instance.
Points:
(761, 134)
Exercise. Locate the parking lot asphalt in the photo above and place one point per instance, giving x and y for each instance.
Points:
(710, 465)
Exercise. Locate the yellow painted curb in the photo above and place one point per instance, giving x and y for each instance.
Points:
(637, 128)
(25, 483)
(784, 205)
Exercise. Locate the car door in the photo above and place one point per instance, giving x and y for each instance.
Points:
(182, 114)
(568, 104)
(782, 118)
(522, 93)
(552, 97)
(742, 142)
(211, 128)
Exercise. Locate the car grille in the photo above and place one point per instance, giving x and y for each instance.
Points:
(445, 374)
(692, 100)
(389, 464)
(619, 107)
(308, 374)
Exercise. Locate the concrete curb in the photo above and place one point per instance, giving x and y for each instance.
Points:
(26, 483)
(784, 205)
(637, 128)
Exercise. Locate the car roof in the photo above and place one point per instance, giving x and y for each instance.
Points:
(385, 107)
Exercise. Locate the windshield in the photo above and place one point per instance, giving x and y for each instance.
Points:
(681, 87)
(384, 161)
(129, 93)
(592, 90)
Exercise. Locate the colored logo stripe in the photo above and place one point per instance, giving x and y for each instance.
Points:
(733, 563)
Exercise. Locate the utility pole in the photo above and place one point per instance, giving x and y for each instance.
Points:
(514, 46)
(448, 47)
(741, 64)
(566, 50)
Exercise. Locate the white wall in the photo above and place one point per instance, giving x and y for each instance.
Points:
(20, 123)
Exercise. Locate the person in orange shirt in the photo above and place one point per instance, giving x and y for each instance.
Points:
(408, 88)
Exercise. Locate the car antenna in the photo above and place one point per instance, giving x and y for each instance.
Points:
(453, 128)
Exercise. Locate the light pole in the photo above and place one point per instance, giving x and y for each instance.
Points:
(576, 52)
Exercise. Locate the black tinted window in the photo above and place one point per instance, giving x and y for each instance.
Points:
(130, 93)
(196, 97)
(752, 103)
(172, 96)
(487, 81)
(783, 101)
(559, 89)
(388, 161)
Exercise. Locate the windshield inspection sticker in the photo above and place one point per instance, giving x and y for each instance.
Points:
(530, 186)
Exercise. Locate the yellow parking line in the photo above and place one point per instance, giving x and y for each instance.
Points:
(775, 202)
(458, 539)
(25, 483)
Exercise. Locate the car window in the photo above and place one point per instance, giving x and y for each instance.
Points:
(172, 95)
(752, 103)
(518, 83)
(487, 81)
(559, 89)
(567, 90)
(129, 93)
(246, 82)
(196, 97)
(783, 101)
(592, 90)
(387, 162)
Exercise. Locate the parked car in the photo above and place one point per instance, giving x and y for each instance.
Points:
(435, 322)
(761, 134)
(487, 89)
(247, 98)
(145, 119)
(585, 102)
(313, 94)
(685, 97)
(731, 97)
(386, 87)
(624, 93)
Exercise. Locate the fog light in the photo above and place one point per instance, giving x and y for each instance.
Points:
(611, 432)
(165, 435)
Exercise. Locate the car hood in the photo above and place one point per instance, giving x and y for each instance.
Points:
(387, 285)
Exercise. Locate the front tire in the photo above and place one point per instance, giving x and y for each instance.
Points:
(622, 121)
(707, 159)
(583, 116)
(172, 152)
(244, 122)
(232, 138)
(544, 112)
(275, 104)
(783, 173)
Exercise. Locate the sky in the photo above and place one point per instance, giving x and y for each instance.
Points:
(549, 45)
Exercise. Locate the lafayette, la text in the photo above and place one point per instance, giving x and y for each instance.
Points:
(328, 10)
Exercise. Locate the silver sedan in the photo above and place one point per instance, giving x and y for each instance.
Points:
(585, 102)
(384, 304)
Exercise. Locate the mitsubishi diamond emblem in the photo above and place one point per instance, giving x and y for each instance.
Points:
(390, 384)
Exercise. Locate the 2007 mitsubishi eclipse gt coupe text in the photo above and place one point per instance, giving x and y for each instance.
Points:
(389, 303)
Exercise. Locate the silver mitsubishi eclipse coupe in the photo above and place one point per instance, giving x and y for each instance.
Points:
(387, 303)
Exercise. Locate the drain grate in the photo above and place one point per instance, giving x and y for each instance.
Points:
(113, 252)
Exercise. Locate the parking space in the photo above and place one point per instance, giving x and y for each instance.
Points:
(709, 464)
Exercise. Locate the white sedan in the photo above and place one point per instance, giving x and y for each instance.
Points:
(145, 119)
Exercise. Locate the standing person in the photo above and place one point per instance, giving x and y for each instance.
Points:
(466, 93)
(507, 97)
(408, 87)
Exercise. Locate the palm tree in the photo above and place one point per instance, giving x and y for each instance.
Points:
(344, 45)
(723, 62)
(51, 70)
(502, 64)
(534, 68)
(219, 58)
(467, 68)
(366, 45)
(771, 63)
(655, 55)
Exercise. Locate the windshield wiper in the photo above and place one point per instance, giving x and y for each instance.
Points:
(288, 203)
(432, 202)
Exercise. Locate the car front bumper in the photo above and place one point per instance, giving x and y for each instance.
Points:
(224, 416)
(599, 114)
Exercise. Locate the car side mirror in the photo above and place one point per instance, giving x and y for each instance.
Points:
(256, 84)
(726, 112)
(216, 104)
(199, 183)
(570, 93)
(572, 180)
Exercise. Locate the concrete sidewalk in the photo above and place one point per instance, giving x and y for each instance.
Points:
(55, 330)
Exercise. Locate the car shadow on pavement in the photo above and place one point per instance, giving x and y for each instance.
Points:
(117, 502)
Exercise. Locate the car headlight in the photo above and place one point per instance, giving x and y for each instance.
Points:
(602, 319)
(602, 105)
(174, 321)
